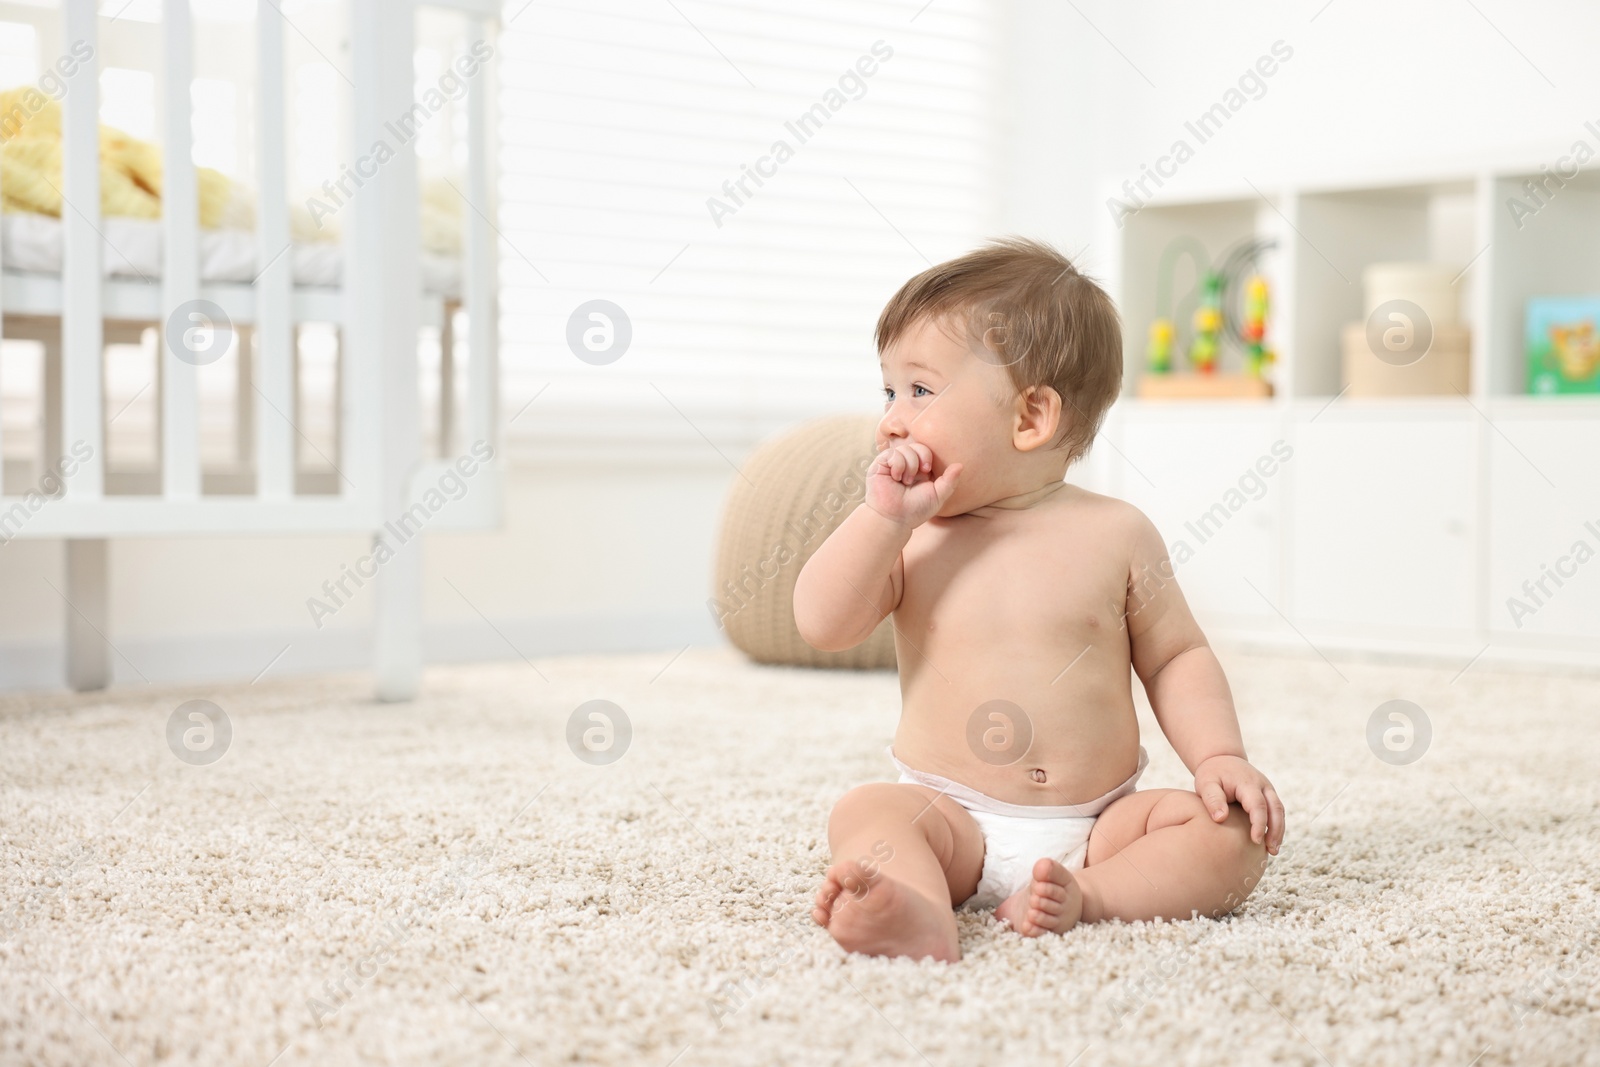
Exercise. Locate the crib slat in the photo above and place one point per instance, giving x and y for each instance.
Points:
(480, 248)
(191, 335)
(82, 413)
(382, 290)
(274, 335)
(360, 346)
(380, 440)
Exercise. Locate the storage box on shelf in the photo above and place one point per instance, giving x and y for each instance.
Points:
(1410, 340)
(1444, 369)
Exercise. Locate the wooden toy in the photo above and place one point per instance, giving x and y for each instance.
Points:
(1158, 357)
(1254, 331)
(1207, 326)
(1212, 308)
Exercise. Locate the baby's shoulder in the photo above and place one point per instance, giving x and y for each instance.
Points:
(1108, 515)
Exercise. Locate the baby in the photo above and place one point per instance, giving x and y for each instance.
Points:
(1020, 602)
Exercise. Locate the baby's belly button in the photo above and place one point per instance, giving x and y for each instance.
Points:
(1038, 775)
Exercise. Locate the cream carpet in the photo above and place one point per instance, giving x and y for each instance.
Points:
(446, 883)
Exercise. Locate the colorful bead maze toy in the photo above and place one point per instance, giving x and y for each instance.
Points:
(1215, 322)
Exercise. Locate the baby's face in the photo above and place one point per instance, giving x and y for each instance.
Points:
(939, 392)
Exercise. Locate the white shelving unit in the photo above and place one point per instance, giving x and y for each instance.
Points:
(1397, 524)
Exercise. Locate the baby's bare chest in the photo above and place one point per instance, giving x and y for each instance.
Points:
(1021, 587)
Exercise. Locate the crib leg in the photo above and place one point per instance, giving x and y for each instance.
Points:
(447, 381)
(88, 654)
(244, 402)
(397, 626)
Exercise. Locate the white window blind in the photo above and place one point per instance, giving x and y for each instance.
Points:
(621, 119)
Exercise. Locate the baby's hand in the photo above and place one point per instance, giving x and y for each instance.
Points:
(1221, 779)
(900, 488)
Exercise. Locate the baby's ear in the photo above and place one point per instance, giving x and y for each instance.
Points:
(1039, 417)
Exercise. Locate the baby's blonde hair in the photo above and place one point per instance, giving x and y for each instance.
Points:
(1030, 309)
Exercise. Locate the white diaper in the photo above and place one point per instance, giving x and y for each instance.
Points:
(1016, 836)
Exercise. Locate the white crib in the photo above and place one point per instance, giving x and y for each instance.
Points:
(379, 309)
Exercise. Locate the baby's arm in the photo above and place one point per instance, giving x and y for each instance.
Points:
(855, 578)
(1189, 693)
(851, 582)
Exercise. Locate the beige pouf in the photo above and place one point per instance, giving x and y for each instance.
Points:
(796, 490)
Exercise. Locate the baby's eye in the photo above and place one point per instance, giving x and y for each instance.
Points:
(920, 390)
(888, 394)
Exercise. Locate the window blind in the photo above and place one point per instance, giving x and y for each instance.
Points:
(749, 182)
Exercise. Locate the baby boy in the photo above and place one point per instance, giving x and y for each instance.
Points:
(1020, 603)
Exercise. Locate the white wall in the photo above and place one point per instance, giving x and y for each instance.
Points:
(1396, 85)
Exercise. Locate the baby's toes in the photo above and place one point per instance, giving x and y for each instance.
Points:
(842, 880)
(1048, 892)
(1036, 922)
(1046, 906)
(822, 904)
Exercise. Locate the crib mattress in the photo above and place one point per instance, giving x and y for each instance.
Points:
(132, 250)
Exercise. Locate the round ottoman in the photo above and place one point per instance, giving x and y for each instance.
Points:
(797, 488)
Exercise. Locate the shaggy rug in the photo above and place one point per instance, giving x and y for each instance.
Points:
(502, 873)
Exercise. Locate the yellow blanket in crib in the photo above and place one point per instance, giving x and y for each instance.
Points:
(130, 169)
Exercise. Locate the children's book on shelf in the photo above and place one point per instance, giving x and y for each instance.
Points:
(1563, 347)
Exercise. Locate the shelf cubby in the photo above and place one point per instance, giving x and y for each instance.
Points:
(1217, 226)
(1341, 234)
(1553, 251)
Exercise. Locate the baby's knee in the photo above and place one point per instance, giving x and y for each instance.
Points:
(1236, 862)
(1230, 839)
(1248, 859)
(1242, 860)
(1233, 834)
(865, 803)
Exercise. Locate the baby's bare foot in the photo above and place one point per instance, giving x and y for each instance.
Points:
(872, 914)
(1051, 903)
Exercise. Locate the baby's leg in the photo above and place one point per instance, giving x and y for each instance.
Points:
(1158, 853)
(903, 855)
